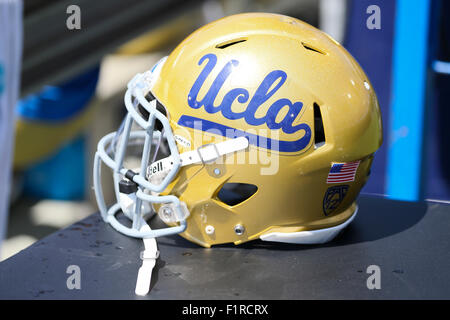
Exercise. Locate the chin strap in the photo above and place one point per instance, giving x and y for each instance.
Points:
(148, 256)
(204, 154)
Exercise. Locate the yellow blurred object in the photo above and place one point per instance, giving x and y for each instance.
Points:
(159, 38)
(36, 140)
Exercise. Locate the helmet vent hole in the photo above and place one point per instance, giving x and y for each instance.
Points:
(235, 193)
(230, 43)
(311, 48)
(319, 132)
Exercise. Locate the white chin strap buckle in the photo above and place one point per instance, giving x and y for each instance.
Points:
(148, 256)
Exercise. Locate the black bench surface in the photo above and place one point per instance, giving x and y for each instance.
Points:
(408, 241)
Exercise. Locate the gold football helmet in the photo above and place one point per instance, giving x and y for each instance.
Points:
(269, 128)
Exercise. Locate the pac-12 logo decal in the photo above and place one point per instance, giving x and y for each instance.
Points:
(268, 87)
(333, 198)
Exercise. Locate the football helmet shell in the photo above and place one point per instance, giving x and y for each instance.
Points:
(275, 82)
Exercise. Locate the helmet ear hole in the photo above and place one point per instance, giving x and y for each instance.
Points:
(235, 193)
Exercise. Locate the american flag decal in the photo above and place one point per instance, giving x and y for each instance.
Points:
(342, 172)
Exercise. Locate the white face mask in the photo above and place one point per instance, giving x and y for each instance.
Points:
(138, 189)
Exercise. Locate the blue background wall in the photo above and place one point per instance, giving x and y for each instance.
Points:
(398, 60)
(373, 50)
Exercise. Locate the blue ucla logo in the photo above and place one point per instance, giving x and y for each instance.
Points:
(268, 87)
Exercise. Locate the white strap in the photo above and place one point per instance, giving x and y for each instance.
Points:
(204, 154)
(148, 256)
(127, 204)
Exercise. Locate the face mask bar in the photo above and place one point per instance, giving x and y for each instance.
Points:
(143, 191)
(138, 88)
(138, 191)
